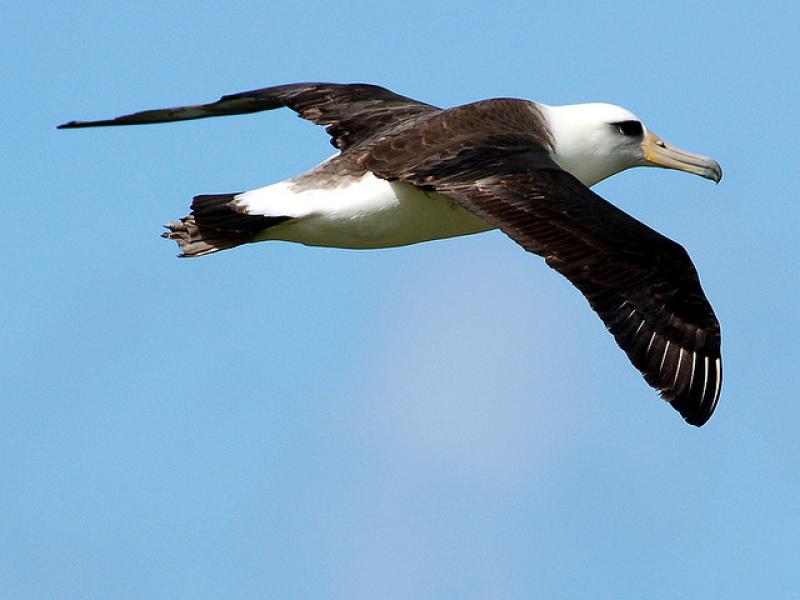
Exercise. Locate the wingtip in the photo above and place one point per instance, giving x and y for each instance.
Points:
(73, 125)
(696, 417)
(101, 123)
(696, 410)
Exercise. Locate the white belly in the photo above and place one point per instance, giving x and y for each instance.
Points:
(361, 212)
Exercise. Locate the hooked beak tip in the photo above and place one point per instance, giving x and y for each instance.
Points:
(714, 172)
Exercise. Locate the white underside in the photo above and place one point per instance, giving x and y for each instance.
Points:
(359, 213)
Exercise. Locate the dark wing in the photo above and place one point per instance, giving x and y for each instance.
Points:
(352, 112)
(642, 285)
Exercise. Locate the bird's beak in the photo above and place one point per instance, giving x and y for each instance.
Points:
(659, 153)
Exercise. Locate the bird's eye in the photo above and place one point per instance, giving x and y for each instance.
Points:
(632, 128)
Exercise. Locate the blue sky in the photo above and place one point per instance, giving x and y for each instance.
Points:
(447, 420)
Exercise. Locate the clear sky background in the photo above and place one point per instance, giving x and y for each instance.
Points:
(448, 420)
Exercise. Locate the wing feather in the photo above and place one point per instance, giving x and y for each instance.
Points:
(642, 285)
(352, 112)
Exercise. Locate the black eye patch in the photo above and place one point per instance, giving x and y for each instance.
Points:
(629, 127)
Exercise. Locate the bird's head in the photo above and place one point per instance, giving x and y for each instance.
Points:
(594, 141)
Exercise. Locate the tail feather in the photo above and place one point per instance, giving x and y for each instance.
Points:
(216, 223)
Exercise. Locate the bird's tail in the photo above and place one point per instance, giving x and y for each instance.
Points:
(216, 223)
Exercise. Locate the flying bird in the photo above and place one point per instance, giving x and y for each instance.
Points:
(408, 172)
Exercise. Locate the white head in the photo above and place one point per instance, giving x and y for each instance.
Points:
(594, 141)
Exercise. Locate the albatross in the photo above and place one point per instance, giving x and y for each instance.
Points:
(408, 172)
